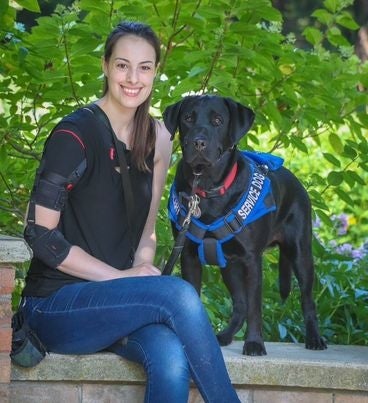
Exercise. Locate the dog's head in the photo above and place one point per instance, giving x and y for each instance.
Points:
(208, 125)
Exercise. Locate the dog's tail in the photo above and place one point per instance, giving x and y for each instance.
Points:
(285, 274)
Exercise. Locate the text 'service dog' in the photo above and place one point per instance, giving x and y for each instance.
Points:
(248, 202)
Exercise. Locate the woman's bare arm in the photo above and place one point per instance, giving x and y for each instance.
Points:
(80, 264)
(147, 246)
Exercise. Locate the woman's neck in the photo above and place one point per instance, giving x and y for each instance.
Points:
(121, 119)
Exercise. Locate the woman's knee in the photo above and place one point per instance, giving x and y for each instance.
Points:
(186, 299)
(182, 291)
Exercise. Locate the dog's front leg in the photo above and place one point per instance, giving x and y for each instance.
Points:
(191, 268)
(234, 279)
(254, 344)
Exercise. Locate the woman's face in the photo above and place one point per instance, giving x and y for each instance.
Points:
(130, 71)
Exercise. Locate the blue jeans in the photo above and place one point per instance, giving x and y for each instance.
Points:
(157, 321)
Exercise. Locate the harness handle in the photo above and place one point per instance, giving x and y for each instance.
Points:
(193, 210)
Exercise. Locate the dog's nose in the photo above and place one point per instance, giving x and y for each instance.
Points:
(200, 143)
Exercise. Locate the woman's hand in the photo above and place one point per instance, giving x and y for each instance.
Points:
(80, 264)
(143, 269)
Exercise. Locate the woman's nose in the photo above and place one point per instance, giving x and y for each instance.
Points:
(132, 76)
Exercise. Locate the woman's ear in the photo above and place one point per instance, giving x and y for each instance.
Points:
(104, 66)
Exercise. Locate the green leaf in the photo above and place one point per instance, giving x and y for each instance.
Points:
(4, 6)
(336, 143)
(346, 20)
(196, 70)
(363, 118)
(354, 177)
(313, 35)
(335, 37)
(31, 5)
(317, 200)
(349, 152)
(3, 158)
(331, 158)
(298, 143)
(272, 112)
(325, 218)
(344, 196)
(335, 178)
(323, 16)
(331, 5)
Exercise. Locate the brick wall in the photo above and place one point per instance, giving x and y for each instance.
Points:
(7, 279)
(12, 250)
(288, 374)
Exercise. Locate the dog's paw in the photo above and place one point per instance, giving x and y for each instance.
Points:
(224, 338)
(315, 343)
(313, 340)
(254, 348)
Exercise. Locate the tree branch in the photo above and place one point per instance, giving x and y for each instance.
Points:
(68, 62)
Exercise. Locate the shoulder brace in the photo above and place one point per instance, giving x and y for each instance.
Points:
(49, 246)
(51, 189)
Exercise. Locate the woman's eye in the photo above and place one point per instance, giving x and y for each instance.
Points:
(122, 66)
(146, 68)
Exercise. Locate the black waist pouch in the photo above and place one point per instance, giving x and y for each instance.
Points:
(27, 349)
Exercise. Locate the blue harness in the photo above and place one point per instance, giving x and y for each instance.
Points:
(255, 202)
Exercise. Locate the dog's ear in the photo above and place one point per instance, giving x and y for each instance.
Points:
(171, 117)
(241, 119)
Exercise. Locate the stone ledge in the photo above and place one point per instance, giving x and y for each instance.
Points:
(287, 365)
(14, 250)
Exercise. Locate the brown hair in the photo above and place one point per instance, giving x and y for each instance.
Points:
(144, 130)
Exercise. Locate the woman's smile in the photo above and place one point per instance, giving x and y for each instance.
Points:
(131, 92)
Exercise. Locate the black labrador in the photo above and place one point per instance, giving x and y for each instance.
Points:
(247, 202)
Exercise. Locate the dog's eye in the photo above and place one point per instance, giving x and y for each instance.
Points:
(189, 118)
(217, 120)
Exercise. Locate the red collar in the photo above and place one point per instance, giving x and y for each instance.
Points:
(219, 190)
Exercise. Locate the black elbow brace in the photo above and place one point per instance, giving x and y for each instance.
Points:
(49, 246)
(50, 191)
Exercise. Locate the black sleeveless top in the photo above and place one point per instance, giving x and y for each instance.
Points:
(94, 217)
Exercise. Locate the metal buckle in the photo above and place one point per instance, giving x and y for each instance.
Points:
(230, 224)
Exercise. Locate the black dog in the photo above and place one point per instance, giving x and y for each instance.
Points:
(248, 202)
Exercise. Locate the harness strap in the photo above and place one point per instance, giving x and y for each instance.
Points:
(210, 252)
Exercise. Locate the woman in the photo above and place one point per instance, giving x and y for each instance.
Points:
(92, 284)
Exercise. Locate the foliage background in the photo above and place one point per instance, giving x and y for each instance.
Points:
(310, 103)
